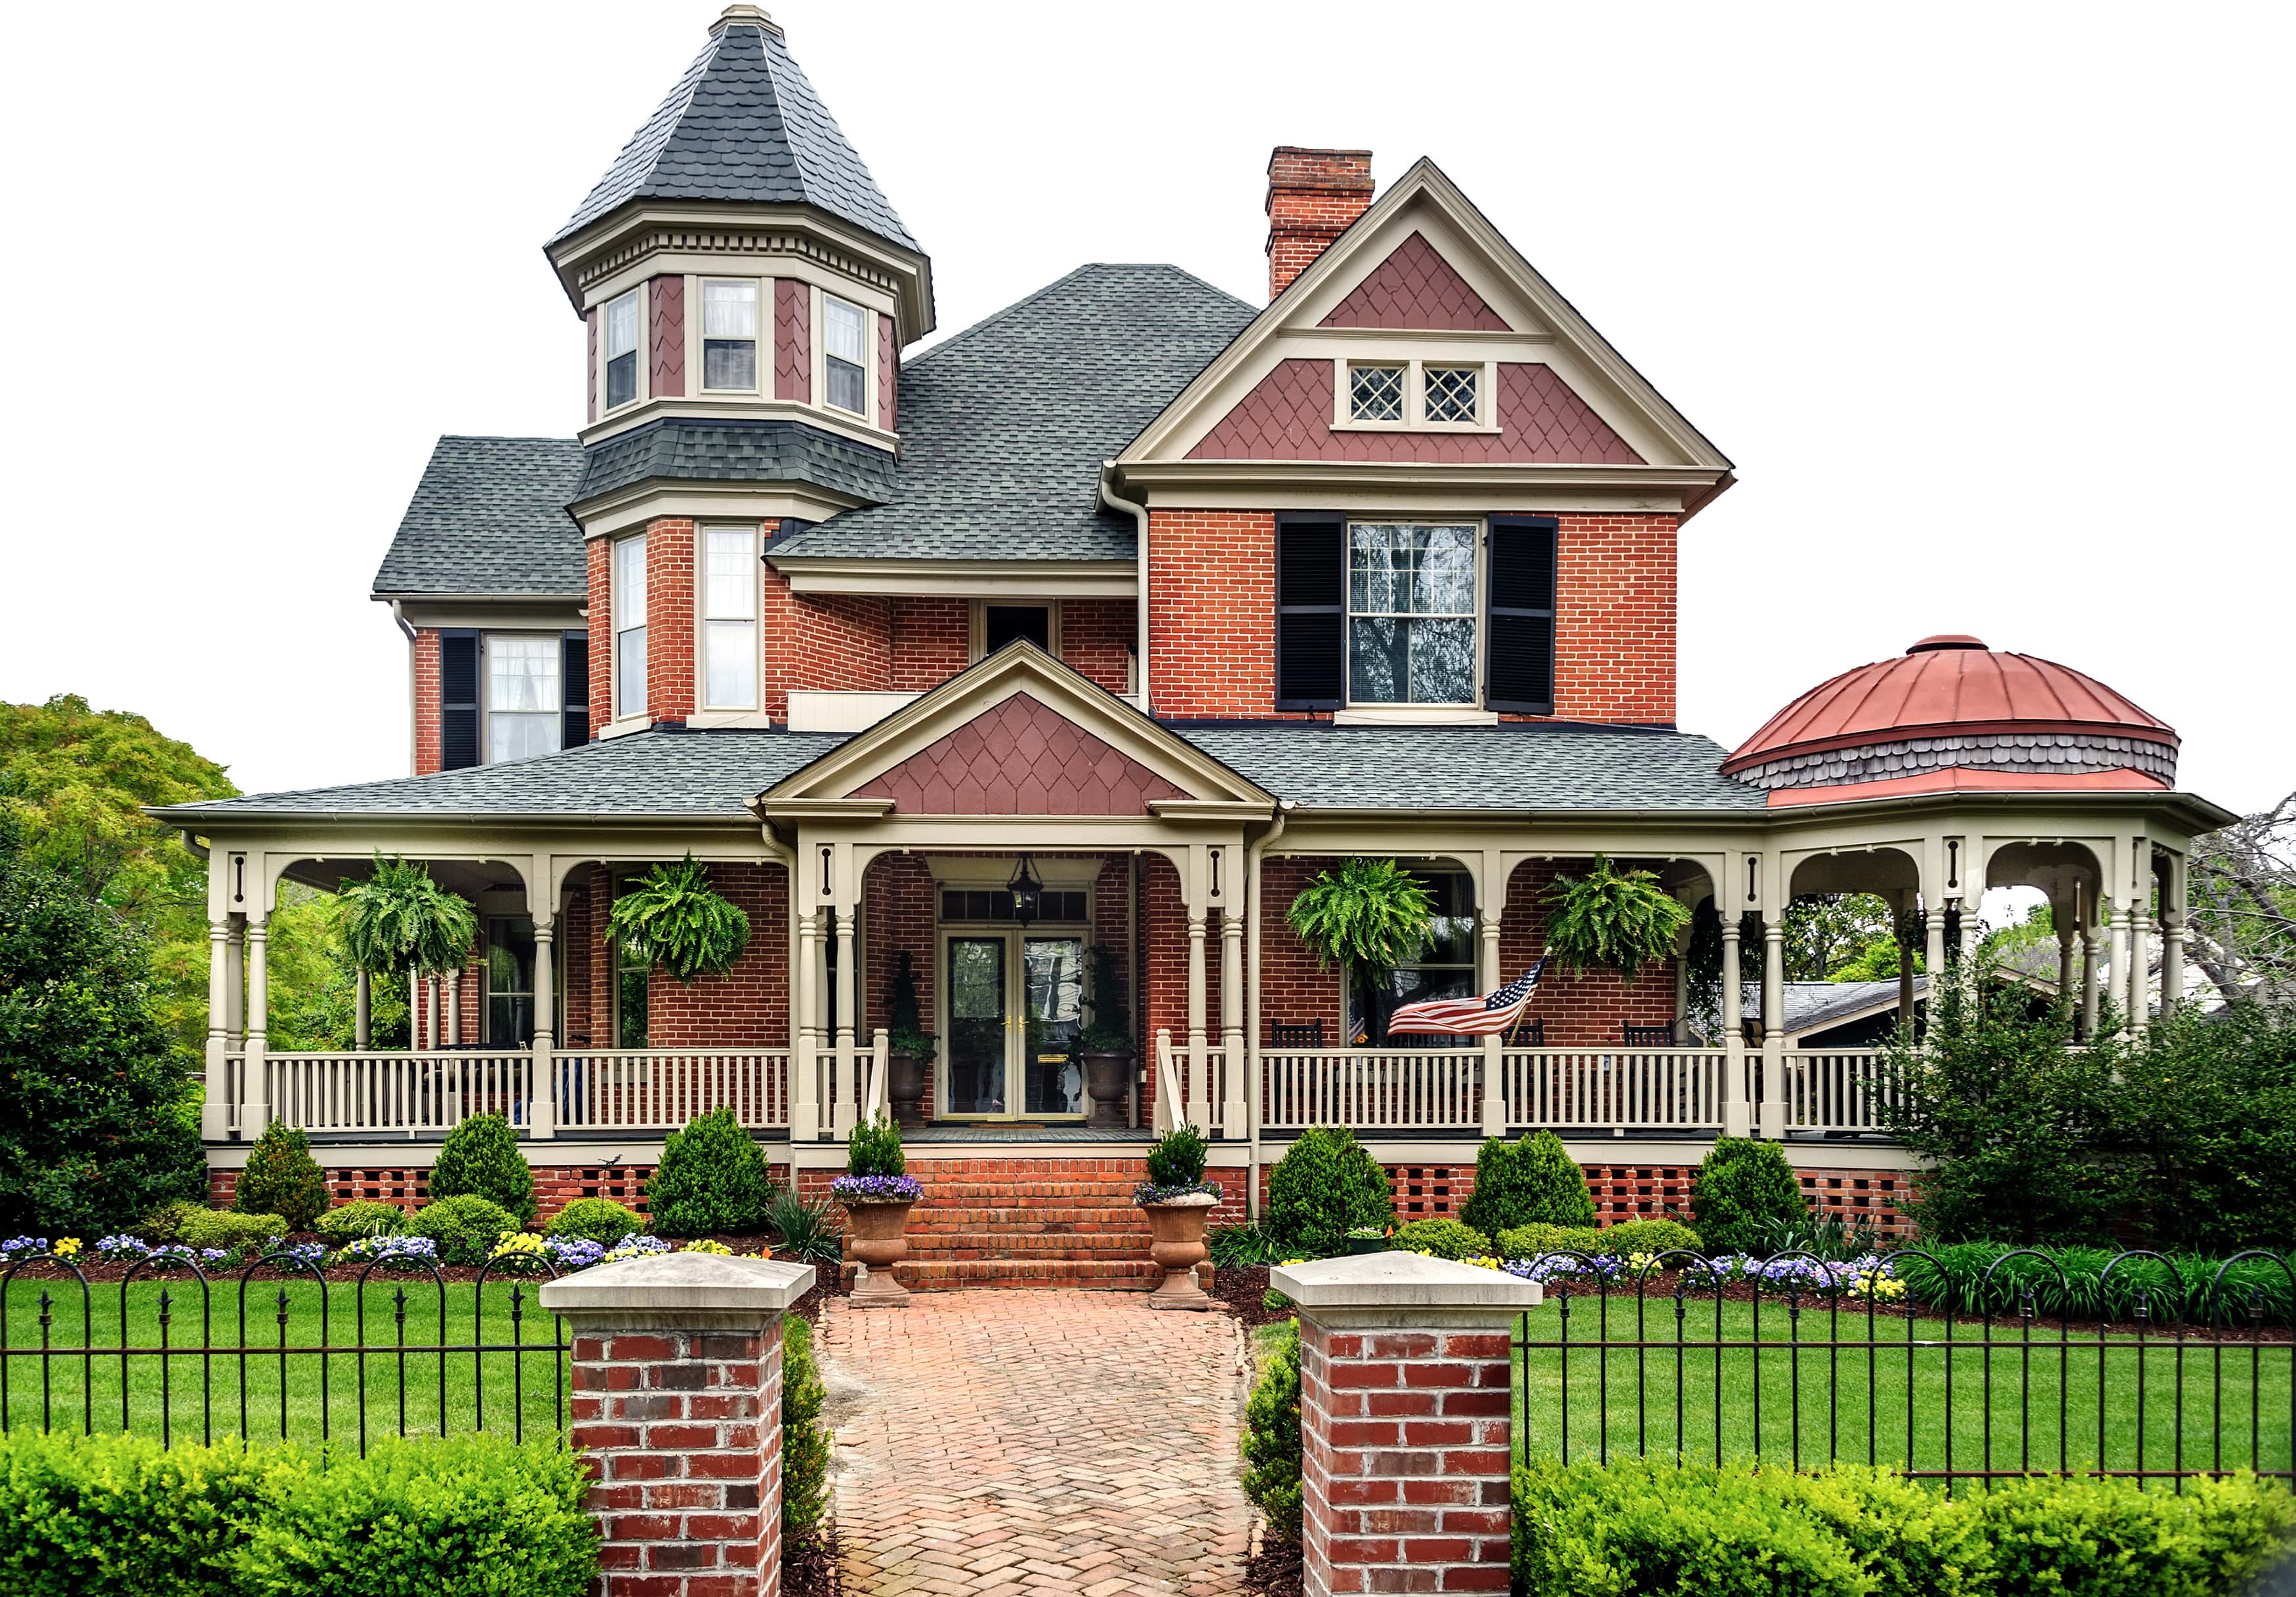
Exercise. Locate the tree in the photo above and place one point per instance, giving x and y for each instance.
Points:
(1827, 932)
(99, 1122)
(2240, 884)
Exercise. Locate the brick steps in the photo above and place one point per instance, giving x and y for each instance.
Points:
(1072, 1231)
(1109, 1275)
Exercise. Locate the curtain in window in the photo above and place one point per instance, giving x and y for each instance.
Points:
(523, 709)
(629, 626)
(1411, 602)
(845, 336)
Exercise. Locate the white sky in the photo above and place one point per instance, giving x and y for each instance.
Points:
(1988, 303)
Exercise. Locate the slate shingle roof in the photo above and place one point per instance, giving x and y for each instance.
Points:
(744, 125)
(489, 517)
(1003, 427)
(738, 452)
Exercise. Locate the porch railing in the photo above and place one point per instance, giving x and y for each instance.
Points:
(1837, 1090)
(1372, 1089)
(1196, 1092)
(651, 1089)
(400, 1092)
(1613, 1089)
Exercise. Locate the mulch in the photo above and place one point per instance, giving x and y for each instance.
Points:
(1242, 1287)
(810, 1565)
(1274, 1569)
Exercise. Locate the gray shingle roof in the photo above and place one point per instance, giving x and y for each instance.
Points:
(1003, 427)
(738, 452)
(744, 125)
(1513, 765)
(489, 517)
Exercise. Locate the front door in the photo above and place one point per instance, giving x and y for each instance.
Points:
(1015, 1003)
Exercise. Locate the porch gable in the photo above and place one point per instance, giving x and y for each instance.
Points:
(1020, 758)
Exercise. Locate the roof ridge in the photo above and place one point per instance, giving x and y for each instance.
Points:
(993, 318)
(766, 36)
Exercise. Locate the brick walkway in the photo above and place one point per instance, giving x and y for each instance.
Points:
(1038, 1442)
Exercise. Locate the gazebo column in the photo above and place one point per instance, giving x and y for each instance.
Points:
(2172, 937)
(1774, 1028)
(2120, 960)
(2140, 919)
(1933, 940)
(1737, 1113)
(254, 1106)
(362, 1011)
(2092, 984)
(1908, 901)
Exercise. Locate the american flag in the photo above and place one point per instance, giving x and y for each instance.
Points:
(1469, 1016)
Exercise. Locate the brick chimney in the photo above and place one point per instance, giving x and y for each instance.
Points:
(1312, 196)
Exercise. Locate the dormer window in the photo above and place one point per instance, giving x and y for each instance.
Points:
(1375, 393)
(729, 335)
(845, 341)
(622, 350)
(1451, 393)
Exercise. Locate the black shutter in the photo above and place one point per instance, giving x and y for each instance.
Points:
(574, 671)
(1311, 611)
(458, 699)
(1519, 668)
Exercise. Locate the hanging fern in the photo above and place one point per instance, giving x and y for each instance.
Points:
(398, 921)
(673, 919)
(1611, 920)
(1372, 916)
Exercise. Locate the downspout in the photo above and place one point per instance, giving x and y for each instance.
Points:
(786, 852)
(1255, 857)
(413, 693)
(1139, 513)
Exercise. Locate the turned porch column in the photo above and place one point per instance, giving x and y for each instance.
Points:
(805, 1082)
(234, 1004)
(842, 1120)
(1198, 1087)
(453, 981)
(1491, 911)
(1737, 1113)
(1774, 1026)
(362, 1011)
(254, 1105)
(214, 1114)
(1232, 1096)
(542, 1120)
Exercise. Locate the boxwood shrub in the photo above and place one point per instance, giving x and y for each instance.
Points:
(1271, 1436)
(712, 1178)
(281, 1178)
(1445, 1239)
(805, 1441)
(481, 1157)
(1743, 1189)
(467, 1227)
(1533, 1181)
(222, 1228)
(599, 1220)
(1325, 1184)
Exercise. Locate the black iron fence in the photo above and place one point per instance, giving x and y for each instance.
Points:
(170, 1350)
(1807, 1363)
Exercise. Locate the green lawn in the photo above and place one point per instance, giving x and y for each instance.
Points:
(222, 1393)
(1816, 1401)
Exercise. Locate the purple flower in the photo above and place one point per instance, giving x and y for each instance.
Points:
(876, 1189)
(1148, 1191)
(574, 1253)
(116, 1248)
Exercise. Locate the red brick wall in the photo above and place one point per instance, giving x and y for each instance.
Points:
(749, 1005)
(1312, 197)
(931, 639)
(669, 619)
(428, 714)
(1097, 639)
(1615, 614)
(601, 565)
(574, 968)
(1579, 1008)
(1293, 990)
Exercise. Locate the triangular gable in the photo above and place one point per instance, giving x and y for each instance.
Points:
(1019, 733)
(1375, 290)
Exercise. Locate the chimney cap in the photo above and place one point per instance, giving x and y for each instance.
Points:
(751, 16)
(1304, 168)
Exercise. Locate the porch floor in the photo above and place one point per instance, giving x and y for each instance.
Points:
(951, 1131)
(995, 1442)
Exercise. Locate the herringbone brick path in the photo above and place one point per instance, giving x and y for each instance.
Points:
(997, 1442)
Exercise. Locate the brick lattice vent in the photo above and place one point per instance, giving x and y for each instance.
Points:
(1873, 1198)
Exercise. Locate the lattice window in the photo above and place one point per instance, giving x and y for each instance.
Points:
(1375, 393)
(1451, 393)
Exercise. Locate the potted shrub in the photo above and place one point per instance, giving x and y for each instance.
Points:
(1105, 1044)
(1366, 1239)
(877, 1191)
(908, 1045)
(1177, 1200)
(1369, 918)
(1611, 920)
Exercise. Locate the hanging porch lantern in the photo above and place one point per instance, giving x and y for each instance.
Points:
(1028, 893)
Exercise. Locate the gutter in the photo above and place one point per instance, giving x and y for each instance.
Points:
(1139, 513)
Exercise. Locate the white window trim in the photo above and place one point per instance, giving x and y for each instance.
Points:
(976, 642)
(642, 292)
(703, 618)
(867, 415)
(486, 688)
(696, 361)
(622, 713)
(1470, 711)
(1415, 396)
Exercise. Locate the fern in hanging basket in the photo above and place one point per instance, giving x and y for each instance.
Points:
(673, 919)
(1372, 916)
(398, 921)
(1611, 920)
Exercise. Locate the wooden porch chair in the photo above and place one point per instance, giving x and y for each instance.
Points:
(1647, 1036)
(1310, 1035)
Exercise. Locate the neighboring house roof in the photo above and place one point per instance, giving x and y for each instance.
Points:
(737, 451)
(489, 517)
(744, 125)
(1513, 765)
(1003, 427)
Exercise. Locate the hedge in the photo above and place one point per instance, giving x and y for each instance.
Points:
(120, 1516)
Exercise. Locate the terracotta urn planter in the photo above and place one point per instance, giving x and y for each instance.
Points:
(1177, 1227)
(1107, 1076)
(905, 1087)
(879, 1239)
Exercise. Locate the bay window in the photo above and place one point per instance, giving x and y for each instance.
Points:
(629, 606)
(524, 704)
(729, 335)
(845, 343)
(729, 624)
(1411, 614)
(621, 350)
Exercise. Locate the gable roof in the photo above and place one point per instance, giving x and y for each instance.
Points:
(489, 517)
(744, 125)
(1005, 426)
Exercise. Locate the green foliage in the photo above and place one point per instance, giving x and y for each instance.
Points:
(1107, 1026)
(281, 1178)
(875, 1149)
(1529, 1241)
(1444, 1239)
(1234, 1245)
(599, 1220)
(1371, 917)
(400, 921)
(481, 1155)
(807, 1229)
(1635, 1526)
(1275, 1302)
(905, 1026)
(1325, 1184)
(805, 1440)
(1611, 920)
(99, 1122)
(232, 1232)
(1744, 1187)
(712, 1178)
(166, 1223)
(1823, 1236)
(2072, 1283)
(1271, 1439)
(2205, 1114)
(673, 919)
(346, 1224)
(1622, 1240)
(466, 1226)
(1534, 1181)
(121, 1516)
(1630, 1237)
(314, 984)
(1177, 1158)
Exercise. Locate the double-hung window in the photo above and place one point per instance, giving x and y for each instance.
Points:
(1443, 967)
(729, 619)
(630, 626)
(524, 705)
(729, 335)
(845, 343)
(1411, 614)
(510, 981)
(622, 350)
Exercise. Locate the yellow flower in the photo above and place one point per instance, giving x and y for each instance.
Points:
(66, 1246)
(706, 1246)
(518, 1244)
(1290, 1262)
(1484, 1261)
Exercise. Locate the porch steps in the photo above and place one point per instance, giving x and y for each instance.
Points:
(1074, 1229)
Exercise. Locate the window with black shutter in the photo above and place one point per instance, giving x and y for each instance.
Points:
(1311, 611)
(458, 699)
(1519, 668)
(574, 671)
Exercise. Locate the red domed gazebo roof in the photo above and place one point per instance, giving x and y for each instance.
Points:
(1948, 685)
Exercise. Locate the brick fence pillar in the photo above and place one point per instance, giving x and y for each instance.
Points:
(1404, 1407)
(677, 1396)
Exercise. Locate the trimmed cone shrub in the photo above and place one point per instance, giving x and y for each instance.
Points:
(347, 1222)
(1444, 1239)
(482, 1156)
(281, 1178)
(1322, 1188)
(467, 1227)
(1271, 1439)
(804, 1443)
(712, 1178)
(1534, 1182)
(1742, 1188)
(599, 1220)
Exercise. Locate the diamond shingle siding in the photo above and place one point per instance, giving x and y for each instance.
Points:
(489, 517)
(1288, 416)
(1020, 758)
(744, 125)
(1416, 287)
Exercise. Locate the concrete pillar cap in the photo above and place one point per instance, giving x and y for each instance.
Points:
(681, 1283)
(1400, 1281)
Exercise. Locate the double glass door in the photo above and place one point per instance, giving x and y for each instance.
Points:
(1015, 1002)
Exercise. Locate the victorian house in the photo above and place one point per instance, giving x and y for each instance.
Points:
(1049, 664)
